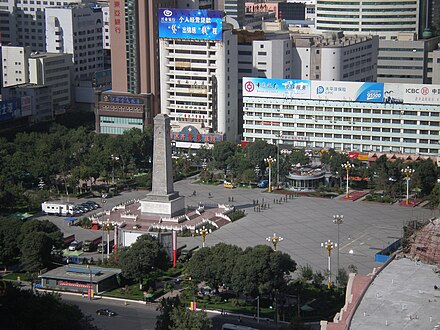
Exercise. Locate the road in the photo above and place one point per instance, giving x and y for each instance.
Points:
(133, 316)
(136, 316)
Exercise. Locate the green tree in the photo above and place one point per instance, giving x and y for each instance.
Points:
(9, 233)
(222, 151)
(184, 319)
(165, 307)
(306, 273)
(425, 176)
(260, 270)
(342, 278)
(318, 278)
(35, 251)
(45, 226)
(22, 309)
(257, 151)
(142, 257)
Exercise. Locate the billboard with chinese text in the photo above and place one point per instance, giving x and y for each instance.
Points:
(10, 109)
(190, 24)
(347, 91)
(412, 94)
(192, 134)
(278, 88)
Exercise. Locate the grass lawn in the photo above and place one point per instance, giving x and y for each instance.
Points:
(13, 276)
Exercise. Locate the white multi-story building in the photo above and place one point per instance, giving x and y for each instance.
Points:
(46, 81)
(15, 65)
(77, 30)
(346, 116)
(333, 56)
(27, 22)
(381, 17)
(198, 80)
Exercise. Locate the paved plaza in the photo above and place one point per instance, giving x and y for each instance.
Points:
(304, 223)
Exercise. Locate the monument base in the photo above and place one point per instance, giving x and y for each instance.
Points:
(169, 208)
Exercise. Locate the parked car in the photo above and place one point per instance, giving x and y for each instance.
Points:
(105, 312)
(229, 185)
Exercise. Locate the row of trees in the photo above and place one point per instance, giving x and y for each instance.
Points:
(30, 243)
(61, 158)
(254, 271)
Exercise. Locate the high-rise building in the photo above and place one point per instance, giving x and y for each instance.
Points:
(134, 97)
(77, 30)
(198, 75)
(382, 17)
(195, 4)
(24, 23)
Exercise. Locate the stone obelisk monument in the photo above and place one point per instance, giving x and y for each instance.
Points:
(162, 200)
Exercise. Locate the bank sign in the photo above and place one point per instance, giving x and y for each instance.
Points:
(412, 94)
(190, 24)
(369, 92)
(277, 88)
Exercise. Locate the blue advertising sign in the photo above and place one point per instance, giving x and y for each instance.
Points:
(192, 134)
(279, 88)
(190, 24)
(370, 92)
(10, 109)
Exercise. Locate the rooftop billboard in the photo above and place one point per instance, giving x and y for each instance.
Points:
(347, 91)
(278, 88)
(412, 94)
(190, 24)
(367, 92)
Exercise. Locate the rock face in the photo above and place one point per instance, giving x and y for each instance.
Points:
(162, 200)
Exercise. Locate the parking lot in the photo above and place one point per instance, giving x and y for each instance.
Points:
(303, 222)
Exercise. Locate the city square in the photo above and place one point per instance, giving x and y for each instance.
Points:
(304, 223)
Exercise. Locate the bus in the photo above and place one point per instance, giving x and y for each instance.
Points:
(230, 326)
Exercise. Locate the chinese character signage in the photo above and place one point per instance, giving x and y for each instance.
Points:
(190, 24)
(192, 134)
(118, 14)
(347, 91)
(279, 88)
(10, 109)
(412, 94)
(121, 99)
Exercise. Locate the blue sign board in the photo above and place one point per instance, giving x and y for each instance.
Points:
(10, 109)
(190, 24)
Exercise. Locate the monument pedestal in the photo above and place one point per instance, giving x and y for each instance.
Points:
(161, 207)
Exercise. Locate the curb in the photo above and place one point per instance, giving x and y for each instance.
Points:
(97, 297)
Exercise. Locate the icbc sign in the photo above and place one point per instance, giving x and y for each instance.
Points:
(423, 90)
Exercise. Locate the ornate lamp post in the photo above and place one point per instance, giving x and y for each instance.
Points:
(204, 164)
(338, 220)
(269, 161)
(274, 240)
(257, 171)
(113, 157)
(347, 166)
(203, 232)
(329, 246)
(407, 172)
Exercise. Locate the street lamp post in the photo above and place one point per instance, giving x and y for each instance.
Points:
(329, 246)
(203, 232)
(338, 219)
(278, 158)
(269, 161)
(204, 164)
(274, 240)
(113, 157)
(347, 166)
(407, 172)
